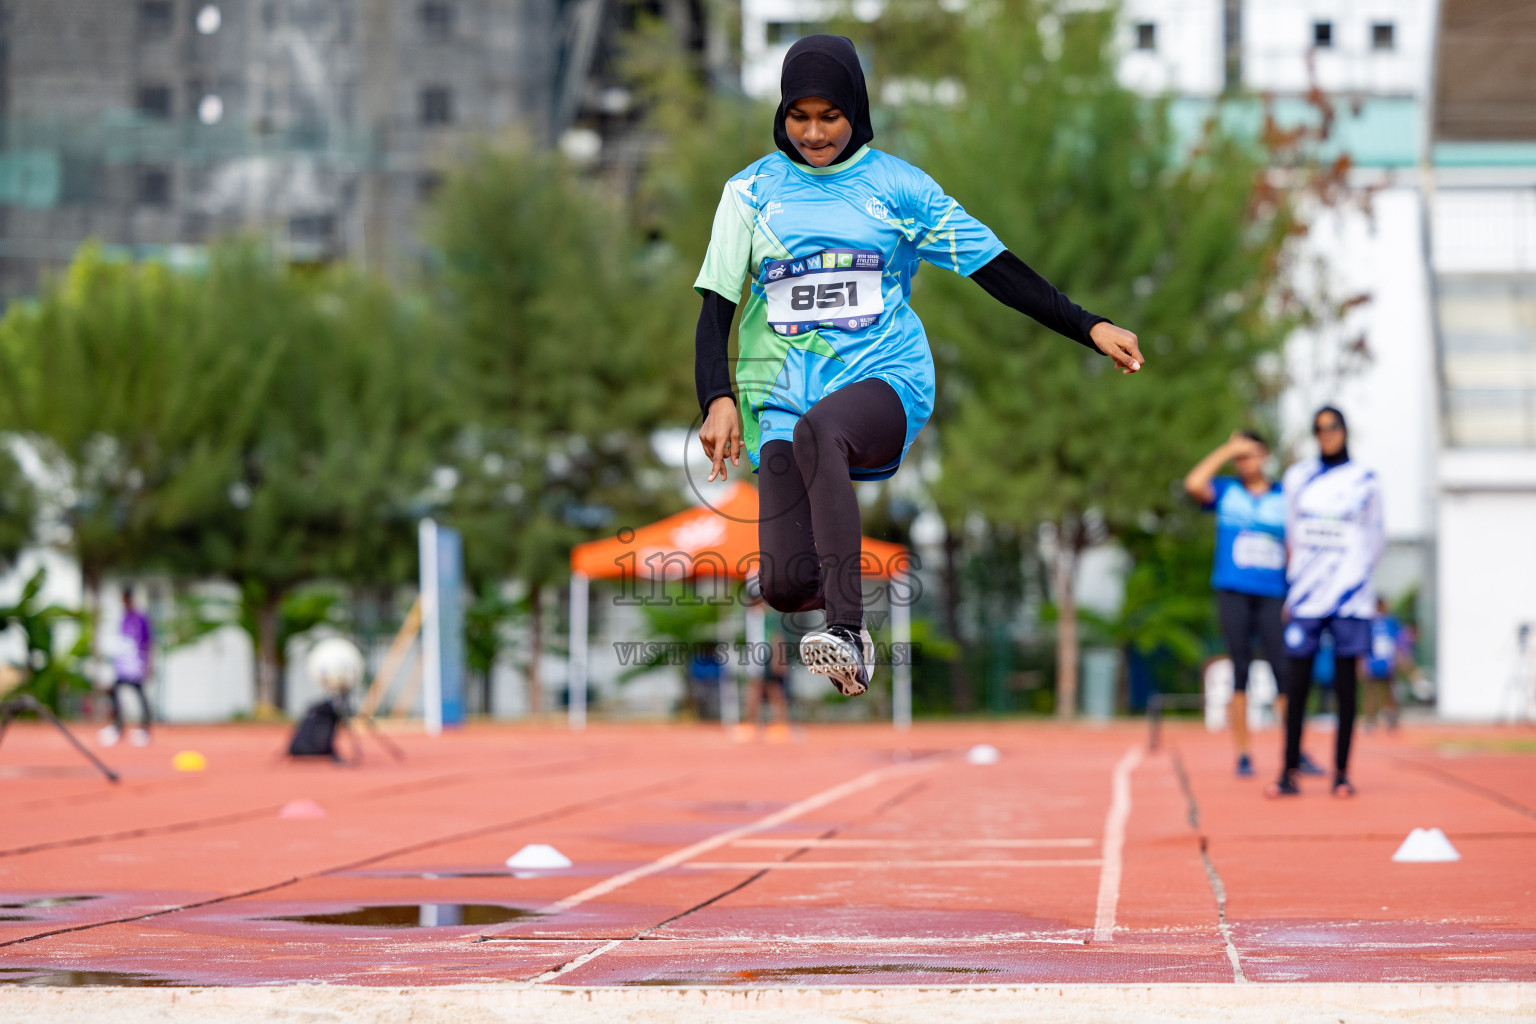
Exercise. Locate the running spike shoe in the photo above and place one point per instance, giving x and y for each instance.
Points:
(1244, 766)
(1309, 766)
(841, 655)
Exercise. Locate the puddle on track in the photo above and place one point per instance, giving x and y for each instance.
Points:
(84, 979)
(44, 902)
(779, 974)
(413, 915)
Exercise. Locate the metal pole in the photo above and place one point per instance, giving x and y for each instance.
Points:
(730, 672)
(577, 682)
(901, 653)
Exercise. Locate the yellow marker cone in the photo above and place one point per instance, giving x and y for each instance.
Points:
(189, 761)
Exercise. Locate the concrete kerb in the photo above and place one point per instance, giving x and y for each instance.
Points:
(468, 1004)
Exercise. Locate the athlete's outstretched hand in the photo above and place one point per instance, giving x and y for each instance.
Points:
(721, 436)
(1118, 344)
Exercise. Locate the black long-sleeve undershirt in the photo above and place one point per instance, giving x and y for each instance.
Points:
(1006, 278)
(711, 340)
(1016, 284)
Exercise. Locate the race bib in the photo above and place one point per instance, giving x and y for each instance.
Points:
(1254, 550)
(834, 288)
(1325, 533)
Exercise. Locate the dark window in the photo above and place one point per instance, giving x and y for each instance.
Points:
(155, 19)
(155, 100)
(1146, 36)
(436, 105)
(312, 227)
(1381, 36)
(155, 186)
(436, 18)
(1322, 34)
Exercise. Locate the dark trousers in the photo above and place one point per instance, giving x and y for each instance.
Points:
(809, 528)
(1300, 689)
(117, 701)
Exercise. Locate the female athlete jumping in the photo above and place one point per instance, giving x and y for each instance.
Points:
(834, 373)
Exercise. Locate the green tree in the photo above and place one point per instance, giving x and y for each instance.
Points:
(18, 508)
(1085, 180)
(327, 477)
(564, 361)
(49, 673)
(242, 420)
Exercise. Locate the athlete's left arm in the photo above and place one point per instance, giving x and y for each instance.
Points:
(1014, 283)
(1372, 519)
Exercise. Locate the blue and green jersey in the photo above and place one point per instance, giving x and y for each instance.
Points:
(829, 254)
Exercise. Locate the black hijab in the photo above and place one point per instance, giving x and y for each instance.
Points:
(1342, 455)
(825, 66)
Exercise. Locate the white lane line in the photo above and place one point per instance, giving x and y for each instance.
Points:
(567, 968)
(1114, 845)
(1010, 844)
(876, 865)
(779, 817)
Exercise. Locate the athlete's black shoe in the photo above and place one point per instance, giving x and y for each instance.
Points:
(841, 655)
(1285, 787)
(1309, 766)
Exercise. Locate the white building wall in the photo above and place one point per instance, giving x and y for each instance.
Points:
(1487, 572)
(1278, 38)
(1390, 404)
(1187, 57)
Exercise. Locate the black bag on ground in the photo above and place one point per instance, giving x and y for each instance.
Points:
(316, 732)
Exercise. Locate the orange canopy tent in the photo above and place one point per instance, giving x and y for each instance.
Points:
(717, 539)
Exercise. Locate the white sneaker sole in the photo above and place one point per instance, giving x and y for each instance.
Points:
(828, 655)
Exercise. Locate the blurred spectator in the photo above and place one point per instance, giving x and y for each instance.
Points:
(132, 664)
(1334, 536)
(768, 682)
(704, 674)
(1249, 572)
(1387, 640)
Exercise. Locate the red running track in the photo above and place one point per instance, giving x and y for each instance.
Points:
(855, 856)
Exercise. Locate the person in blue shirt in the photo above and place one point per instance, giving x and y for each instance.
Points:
(834, 377)
(1249, 572)
(1389, 641)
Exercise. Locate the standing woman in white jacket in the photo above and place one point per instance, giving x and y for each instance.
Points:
(1334, 537)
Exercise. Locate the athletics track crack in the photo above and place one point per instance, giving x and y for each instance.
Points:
(553, 814)
(264, 811)
(1471, 787)
(645, 934)
(1218, 889)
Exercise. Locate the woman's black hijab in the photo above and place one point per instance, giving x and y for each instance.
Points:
(1341, 456)
(825, 66)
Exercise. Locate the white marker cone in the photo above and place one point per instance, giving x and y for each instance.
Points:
(1426, 846)
(302, 809)
(983, 753)
(538, 855)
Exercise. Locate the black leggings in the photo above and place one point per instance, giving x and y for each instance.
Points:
(1296, 710)
(809, 528)
(1243, 615)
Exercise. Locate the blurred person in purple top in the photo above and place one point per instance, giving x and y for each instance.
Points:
(132, 661)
